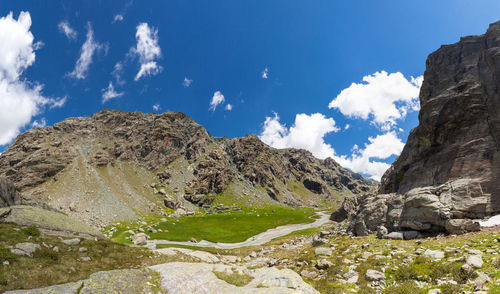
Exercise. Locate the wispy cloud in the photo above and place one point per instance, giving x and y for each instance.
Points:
(147, 50)
(66, 29)
(156, 107)
(229, 107)
(86, 54)
(265, 73)
(117, 18)
(187, 82)
(110, 93)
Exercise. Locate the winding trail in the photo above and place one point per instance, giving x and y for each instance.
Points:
(258, 239)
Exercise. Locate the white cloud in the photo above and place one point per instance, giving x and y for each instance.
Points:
(347, 126)
(379, 147)
(147, 50)
(229, 107)
(383, 98)
(39, 123)
(67, 30)
(117, 73)
(20, 100)
(117, 18)
(307, 133)
(265, 73)
(187, 82)
(110, 93)
(156, 107)
(217, 99)
(87, 52)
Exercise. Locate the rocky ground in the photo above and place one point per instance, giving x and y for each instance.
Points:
(333, 262)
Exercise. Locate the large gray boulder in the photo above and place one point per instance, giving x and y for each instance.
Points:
(8, 194)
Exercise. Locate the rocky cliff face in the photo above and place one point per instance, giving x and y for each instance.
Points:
(449, 170)
(115, 165)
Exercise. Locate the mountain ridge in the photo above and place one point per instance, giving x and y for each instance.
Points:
(133, 163)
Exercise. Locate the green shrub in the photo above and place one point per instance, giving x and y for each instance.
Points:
(407, 287)
(46, 253)
(31, 231)
(450, 289)
(5, 254)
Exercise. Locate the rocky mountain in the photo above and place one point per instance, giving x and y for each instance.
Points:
(117, 165)
(449, 170)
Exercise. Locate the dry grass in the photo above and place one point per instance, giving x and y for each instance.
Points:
(48, 267)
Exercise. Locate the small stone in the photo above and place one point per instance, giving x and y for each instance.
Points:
(308, 274)
(71, 242)
(252, 254)
(434, 254)
(481, 281)
(374, 275)
(467, 268)
(85, 258)
(82, 249)
(323, 251)
(55, 248)
(351, 277)
(323, 264)
(323, 234)
(474, 261)
(394, 236)
(365, 246)
(434, 291)
(140, 239)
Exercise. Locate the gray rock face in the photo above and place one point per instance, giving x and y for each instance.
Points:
(457, 142)
(199, 278)
(8, 194)
(449, 169)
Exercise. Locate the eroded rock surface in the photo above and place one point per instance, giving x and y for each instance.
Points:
(197, 278)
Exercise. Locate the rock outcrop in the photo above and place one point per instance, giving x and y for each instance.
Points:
(8, 194)
(449, 170)
(116, 165)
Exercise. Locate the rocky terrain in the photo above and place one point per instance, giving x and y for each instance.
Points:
(115, 165)
(449, 169)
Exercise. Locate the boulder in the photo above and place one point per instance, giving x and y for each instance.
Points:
(374, 275)
(323, 264)
(8, 193)
(323, 251)
(474, 261)
(351, 277)
(140, 239)
(433, 254)
(481, 281)
(71, 242)
(25, 248)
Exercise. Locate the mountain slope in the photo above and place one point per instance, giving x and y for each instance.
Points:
(116, 165)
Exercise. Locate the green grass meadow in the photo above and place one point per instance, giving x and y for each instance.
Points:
(228, 227)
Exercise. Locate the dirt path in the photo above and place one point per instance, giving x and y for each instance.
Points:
(258, 239)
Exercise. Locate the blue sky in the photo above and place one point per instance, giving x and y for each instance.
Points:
(312, 50)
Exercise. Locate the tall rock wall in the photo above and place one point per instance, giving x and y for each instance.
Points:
(449, 170)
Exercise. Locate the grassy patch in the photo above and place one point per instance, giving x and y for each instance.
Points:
(48, 267)
(227, 227)
(234, 278)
